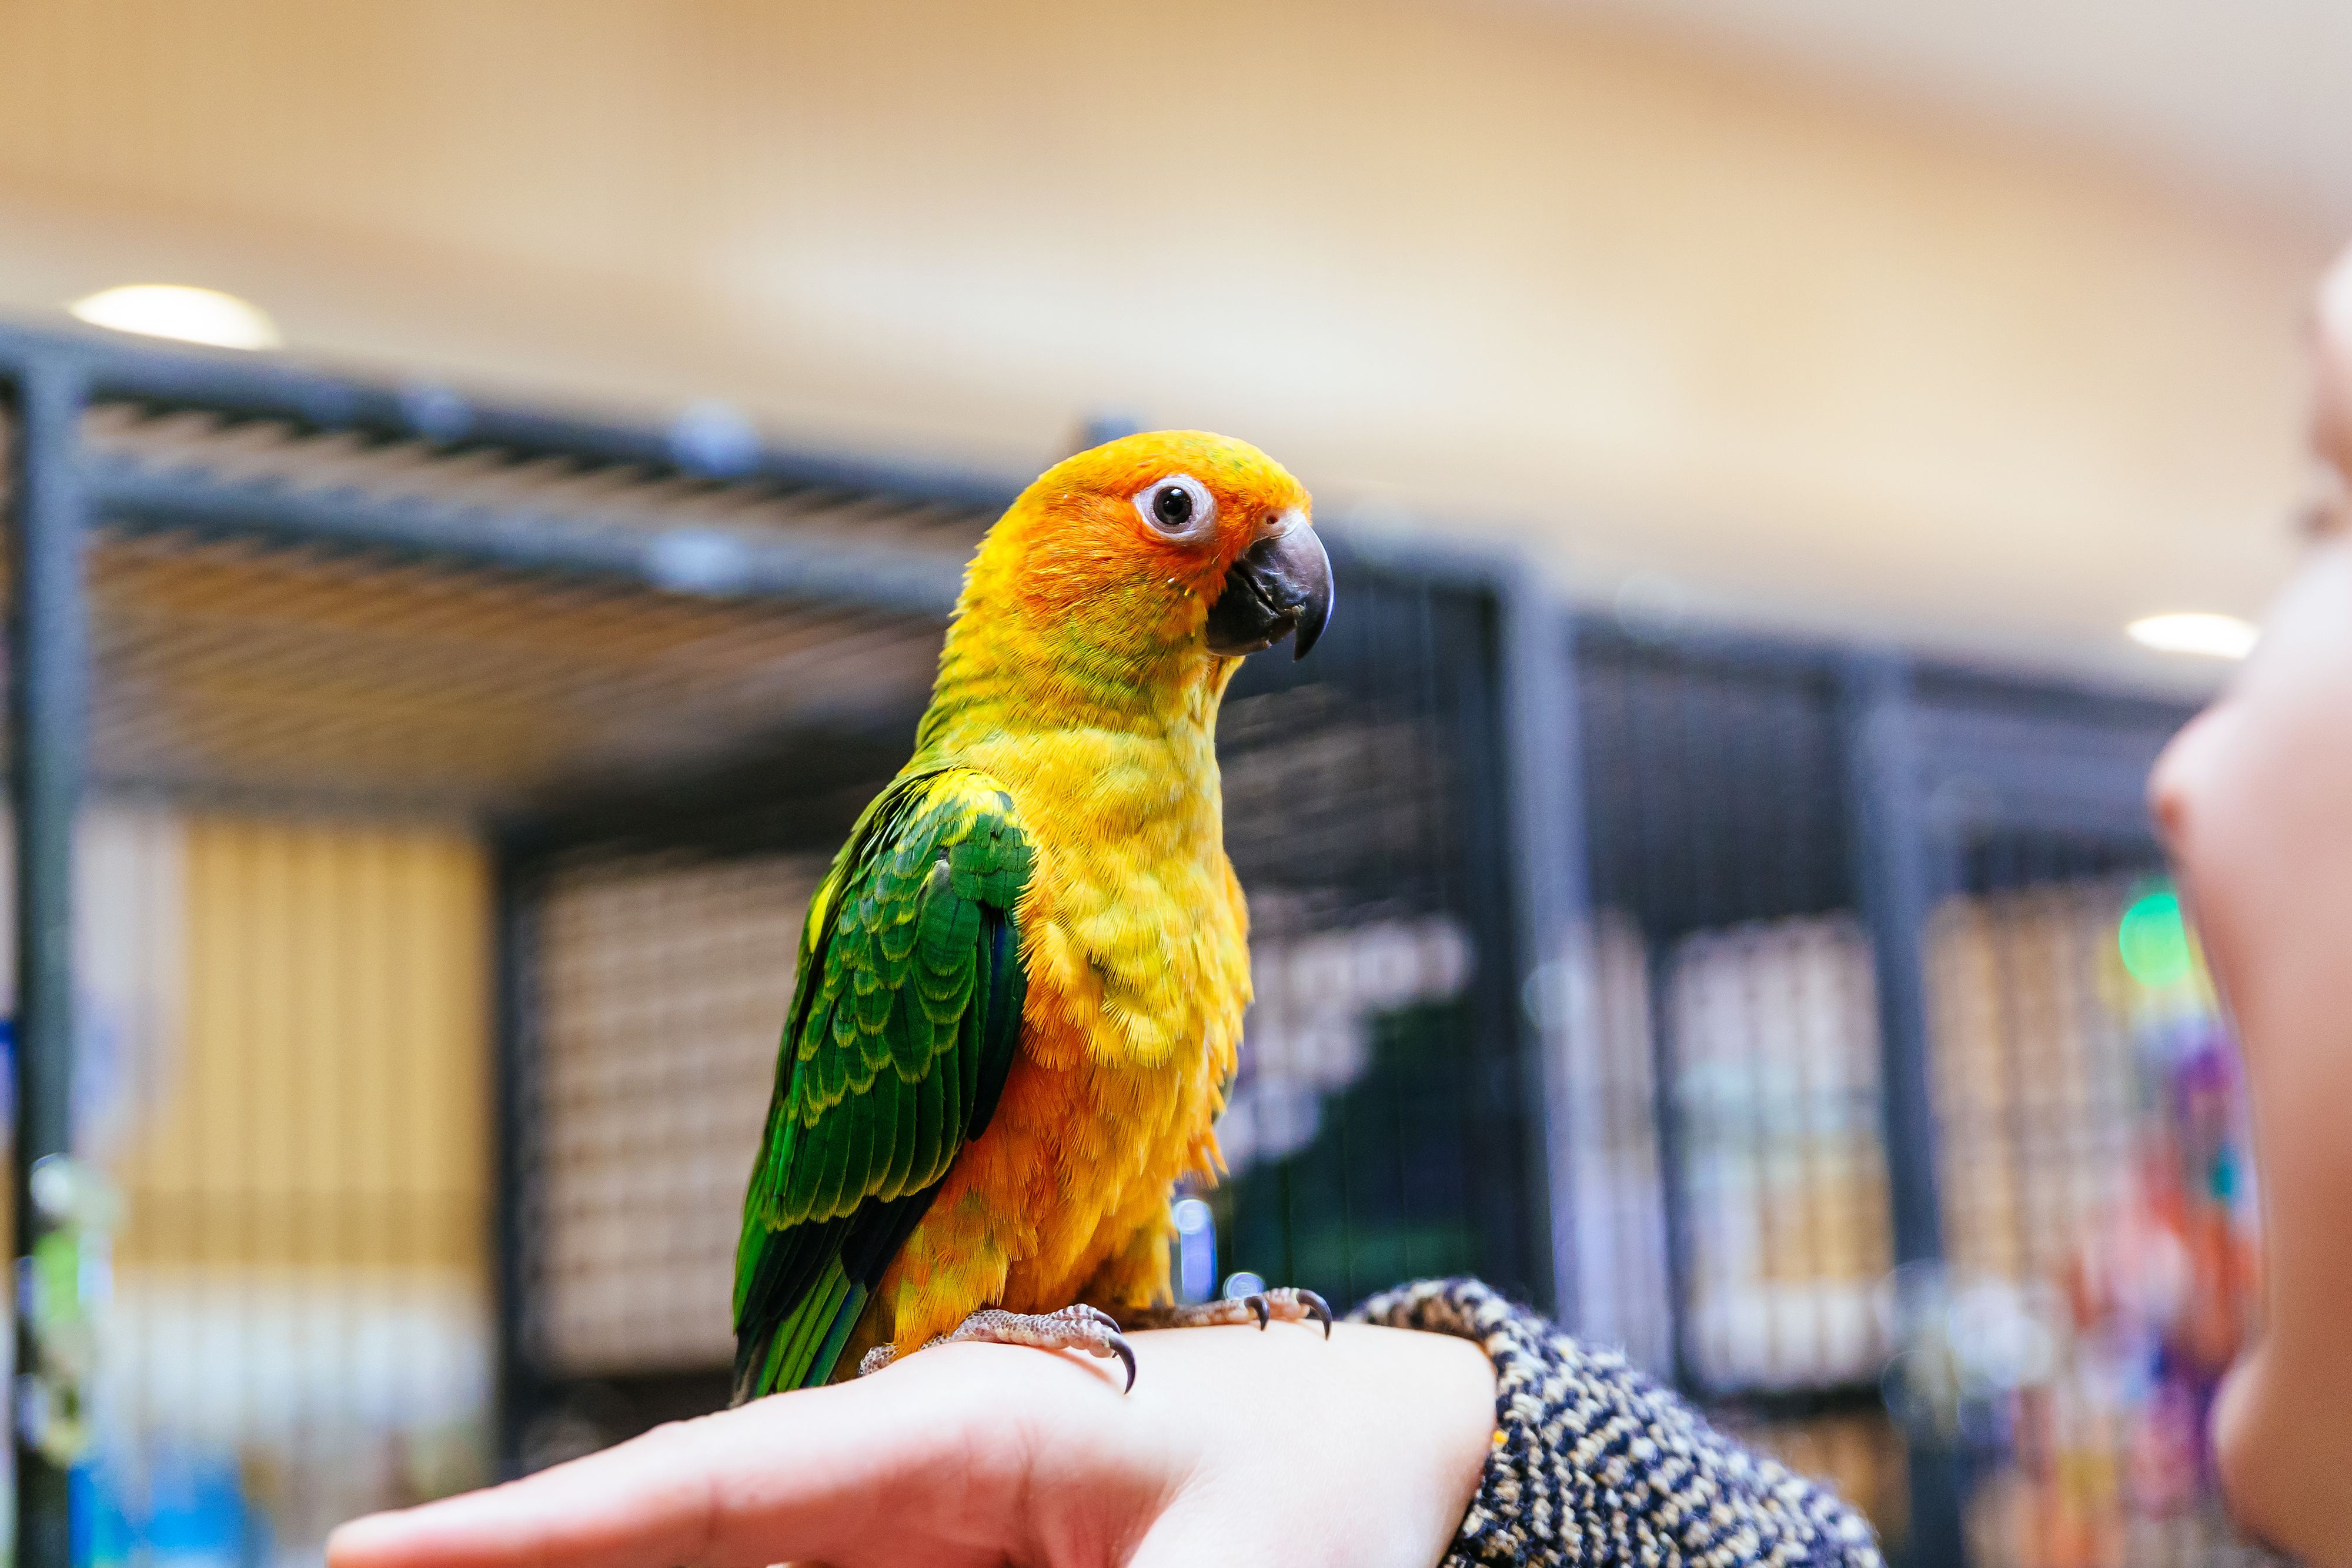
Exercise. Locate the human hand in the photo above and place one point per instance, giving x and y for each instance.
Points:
(1236, 1447)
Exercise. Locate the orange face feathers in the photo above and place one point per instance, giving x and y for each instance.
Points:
(1131, 542)
(1180, 500)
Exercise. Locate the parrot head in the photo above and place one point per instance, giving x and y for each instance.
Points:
(1153, 546)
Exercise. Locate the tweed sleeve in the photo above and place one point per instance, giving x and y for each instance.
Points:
(1594, 1464)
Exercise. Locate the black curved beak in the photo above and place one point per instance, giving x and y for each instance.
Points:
(1279, 587)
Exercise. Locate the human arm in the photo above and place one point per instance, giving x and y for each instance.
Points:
(1236, 1447)
(1489, 1438)
(1593, 1463)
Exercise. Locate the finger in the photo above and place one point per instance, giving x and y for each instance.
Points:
(645, 1502)
(781, 1478)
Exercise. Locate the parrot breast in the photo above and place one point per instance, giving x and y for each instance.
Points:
(1135, 936)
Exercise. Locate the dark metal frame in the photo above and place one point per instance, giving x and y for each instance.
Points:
(1946, 757)
(1553, 890)
(48, 718)
(1896, 885)
(1936, 757)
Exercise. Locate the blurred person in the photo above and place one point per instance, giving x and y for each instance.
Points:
(2254, 800)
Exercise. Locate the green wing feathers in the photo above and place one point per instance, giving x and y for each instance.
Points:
(902, 1027)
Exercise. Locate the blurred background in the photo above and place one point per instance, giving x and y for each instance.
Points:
(1789, 462)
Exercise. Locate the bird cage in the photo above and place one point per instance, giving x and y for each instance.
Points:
(1885, 950)
(416, 800)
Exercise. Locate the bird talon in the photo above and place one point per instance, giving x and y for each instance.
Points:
(1112, 1343)
(1263, 1307)
(1075, 1327)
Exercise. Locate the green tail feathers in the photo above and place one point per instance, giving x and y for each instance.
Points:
(807, 1345)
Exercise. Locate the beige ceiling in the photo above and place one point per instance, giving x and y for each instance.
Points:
(2253, 97)
(1698, 325)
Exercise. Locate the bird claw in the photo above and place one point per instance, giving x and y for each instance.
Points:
(1296, 1306)
(1125, 1354)
(1285, 1303)
(1080, 1327)
(1097, 1332)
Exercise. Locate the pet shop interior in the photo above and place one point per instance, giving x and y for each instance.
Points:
(485, 488)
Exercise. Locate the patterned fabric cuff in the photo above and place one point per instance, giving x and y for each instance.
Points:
(1595, 1464)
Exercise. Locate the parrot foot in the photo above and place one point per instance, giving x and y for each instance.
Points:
(1284, 1303)
(1081, 1327)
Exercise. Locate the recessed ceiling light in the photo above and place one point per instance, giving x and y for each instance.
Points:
(2196, 632)
(179, 312)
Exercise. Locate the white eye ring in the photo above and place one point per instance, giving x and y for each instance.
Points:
(1177, 507)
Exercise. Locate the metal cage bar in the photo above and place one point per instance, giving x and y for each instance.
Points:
(48, 640)
(703, 561)
(1897, 878)
(1550, 885)
(247, 387)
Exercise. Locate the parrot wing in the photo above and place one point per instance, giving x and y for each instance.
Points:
(903, 1025)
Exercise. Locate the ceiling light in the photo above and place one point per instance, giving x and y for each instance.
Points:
(179, 312)
(2195, 632)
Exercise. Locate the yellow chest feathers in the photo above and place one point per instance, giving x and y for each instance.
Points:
(1133, 927)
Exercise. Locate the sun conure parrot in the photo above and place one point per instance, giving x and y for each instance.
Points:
(1021, 986)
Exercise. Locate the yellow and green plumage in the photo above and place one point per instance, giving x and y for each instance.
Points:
(1021, 986)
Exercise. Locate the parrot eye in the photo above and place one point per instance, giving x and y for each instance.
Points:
(1179, 507)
